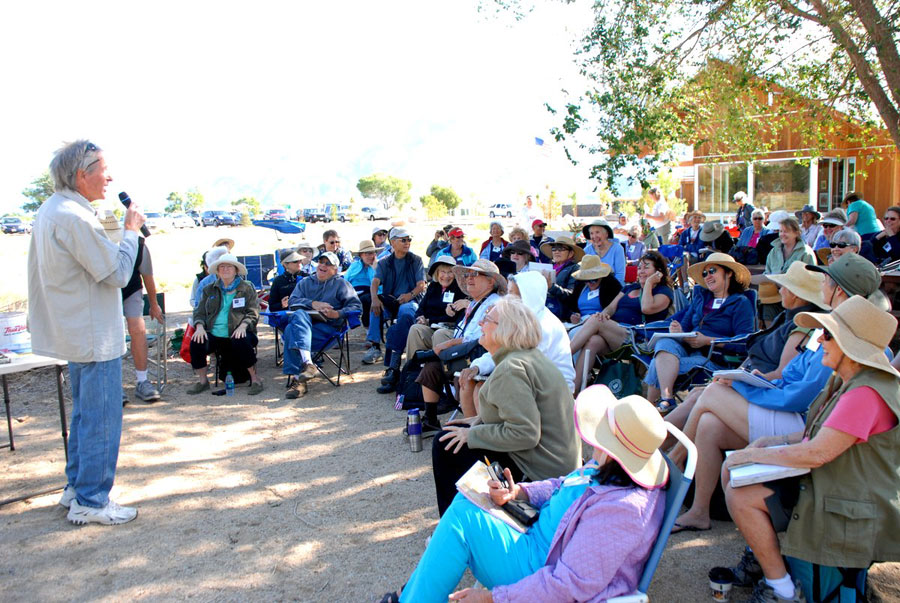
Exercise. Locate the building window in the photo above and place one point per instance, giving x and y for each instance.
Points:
(781, 185)
(717, 184)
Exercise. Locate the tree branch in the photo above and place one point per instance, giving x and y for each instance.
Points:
(883, 41)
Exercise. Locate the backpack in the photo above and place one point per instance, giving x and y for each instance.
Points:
(409, 393)
(619, 377)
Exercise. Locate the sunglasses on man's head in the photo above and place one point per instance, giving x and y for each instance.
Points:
(839, 245)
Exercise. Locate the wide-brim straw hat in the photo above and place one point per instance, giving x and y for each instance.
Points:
(568, 242)
(441, 260)
(112, 227)
(807, 209)
(591, 268)
(519, 246)
(223, 242)
(720, 259)
(586, 229)
(801, 282)
(228, 258)
(629, 430)
(486, 267)
(367, 246)
(711, 231)
(859, 328)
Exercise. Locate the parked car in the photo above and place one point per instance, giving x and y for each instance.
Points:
(156, 220)
(342, 213)
(374, 213)
(13, 225)
(183, 221)
(217, 217)
(238, 218)
(315, 214)
(195, 216)
(275, 214)
(500, 209)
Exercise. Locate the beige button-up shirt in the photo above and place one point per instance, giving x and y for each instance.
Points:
(75, 277)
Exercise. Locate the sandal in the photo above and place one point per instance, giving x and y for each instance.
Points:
(666, 405)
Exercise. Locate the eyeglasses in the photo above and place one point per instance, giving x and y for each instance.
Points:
(757, 218)
(829, 225)
(404, 239)
(487, 318)
(839, 245)
(333, 242)
(558, 248)
(709, 271)
(826, 335)
(471, 274)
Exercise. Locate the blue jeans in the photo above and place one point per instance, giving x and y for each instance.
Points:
(397, 334)
(466, 536)
(95, 429)
(688, 358)
(303, 334)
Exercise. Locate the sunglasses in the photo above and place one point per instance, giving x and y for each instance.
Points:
(404, 239)
(471, 274)
(89, 148)
(839, 245)
(518, 253)
(827, 336)
(559, 248)
(829, 225)
(757, 218)
(890, 218)
(333, 242)
(709, 271)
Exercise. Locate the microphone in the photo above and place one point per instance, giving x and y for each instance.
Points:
(126, 201)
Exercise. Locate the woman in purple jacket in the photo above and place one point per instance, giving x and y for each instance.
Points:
(596, 525)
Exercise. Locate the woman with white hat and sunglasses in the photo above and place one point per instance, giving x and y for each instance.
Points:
(845, 512)
(596, 525)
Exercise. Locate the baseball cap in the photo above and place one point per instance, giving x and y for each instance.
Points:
(331, 257)
(456, 232)
(538, 222)
(853, 273)
(398, 233)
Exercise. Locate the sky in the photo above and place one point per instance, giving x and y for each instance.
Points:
(290, 102)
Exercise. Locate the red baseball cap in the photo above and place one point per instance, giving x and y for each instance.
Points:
(538, 222)
(456, 232)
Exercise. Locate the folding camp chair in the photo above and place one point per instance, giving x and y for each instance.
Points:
(258, 269)
(679, 482)
(341, 341)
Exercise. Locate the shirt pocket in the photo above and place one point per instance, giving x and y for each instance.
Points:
(851, 524)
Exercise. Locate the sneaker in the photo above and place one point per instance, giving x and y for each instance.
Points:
(763, 593)
(309, 372)
(748, 571)
(296, 390)
(372, 356)
(145, 391)
(67, 497)
(197, 388)
(428, 429)
(255, 388)
(110, 515)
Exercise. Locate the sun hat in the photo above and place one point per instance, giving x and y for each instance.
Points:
(227, 258)
(711, 231)
(214, 254)
(586, 229)
(537, 222)
(591, 268)
(837, 217)
(801, 282)
(853, 273)
(861, 330)
(485, 267)
(720, 259)
(288, 256)
(398, 233)
(303, 244)
(441, 260)
(378, 229)
(111, 226)
(629, 430)
(566, 241)
(775, 219)
(366, 246)
(807, 209)
(229, 243)
(739, 196)
(518, 247)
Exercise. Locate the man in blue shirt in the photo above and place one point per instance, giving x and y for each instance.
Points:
(538, 238)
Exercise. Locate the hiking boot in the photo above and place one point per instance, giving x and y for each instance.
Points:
(391, 375)
(763, 593)
(747, 572)
(309, 372)
(255, 388)
(372, 356)
(145, 391)
(387, 388)
(67, 497)
(110, 515)
(198, 388)
(296, 390)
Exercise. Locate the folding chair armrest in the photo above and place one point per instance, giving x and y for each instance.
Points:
(353, 319)
(690, 464)
(637, 597)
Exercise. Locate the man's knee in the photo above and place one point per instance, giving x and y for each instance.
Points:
(136, 326)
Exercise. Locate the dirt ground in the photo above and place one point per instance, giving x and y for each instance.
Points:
(254, 498)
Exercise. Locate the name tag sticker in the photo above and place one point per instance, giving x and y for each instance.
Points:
(813, 343)
(448, 297)
(238, 302)
(593, 294)
(717, 303)
(887, 247)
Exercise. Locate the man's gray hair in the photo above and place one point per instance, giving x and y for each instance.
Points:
(758, 213)
(70, 158)
(847, 236)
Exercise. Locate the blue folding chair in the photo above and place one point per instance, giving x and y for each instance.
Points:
(679, 482)
(258, 269)
(341, 341)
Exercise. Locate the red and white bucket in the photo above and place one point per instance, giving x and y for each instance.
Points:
(14, 335)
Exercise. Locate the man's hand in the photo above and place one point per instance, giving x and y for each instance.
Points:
(421, 320)
(404, 298)
(134, 219)
(460, 304)
(330, 313)
(376, 306)
(320, 306)
(156, 312)
(675, 327)
(285, 301)
(240, 332)
(199, 334)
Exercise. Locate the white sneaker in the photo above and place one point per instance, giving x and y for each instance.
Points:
(67, 497)
(110, 515)
(145, 391)
(372, 356)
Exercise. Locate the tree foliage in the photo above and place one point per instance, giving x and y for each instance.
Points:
(389, 190)
(38, 191)
(434, 207)
(193, 199)
(447, 196)
(176, 203)
(249, 205)
(736, 74)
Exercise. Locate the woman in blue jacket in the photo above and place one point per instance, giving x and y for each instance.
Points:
(720, 310)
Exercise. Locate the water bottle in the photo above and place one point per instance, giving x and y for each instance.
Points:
(229, 386)
(414, 429)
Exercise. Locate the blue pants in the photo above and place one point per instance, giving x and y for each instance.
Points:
(303, 334)
(688, 358)
(465, 537)
(95, 429)
(399, 331)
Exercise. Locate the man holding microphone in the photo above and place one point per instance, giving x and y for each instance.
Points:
(75, 278)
